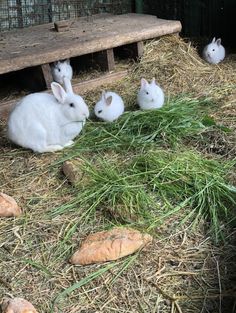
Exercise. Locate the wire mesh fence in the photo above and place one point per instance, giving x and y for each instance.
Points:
(23, 13)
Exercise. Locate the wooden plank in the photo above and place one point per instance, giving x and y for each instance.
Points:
(105, 59)
(139, 49)
(47, 74)
(62, 26)
(39, 44)
(91, 84)
(110, 59)
(79, 88)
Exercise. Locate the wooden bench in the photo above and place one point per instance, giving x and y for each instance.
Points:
(41, 45)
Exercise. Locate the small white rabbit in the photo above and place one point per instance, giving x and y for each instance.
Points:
(214, 52)
(109, 107)
(61, 69)
(44, 122)
(150, 96)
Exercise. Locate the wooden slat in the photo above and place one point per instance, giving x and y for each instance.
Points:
(139, 48)
(40, 44)
(47, 74)
(105, 59)
(132, 51)
(79, 88)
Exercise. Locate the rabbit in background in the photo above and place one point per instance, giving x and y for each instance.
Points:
(214, 52)
(150, 95)
(61, 69)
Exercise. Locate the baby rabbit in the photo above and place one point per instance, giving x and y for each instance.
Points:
(214, 52)
(61, 69)
(150, 96)
(45, 123)
(109, 107)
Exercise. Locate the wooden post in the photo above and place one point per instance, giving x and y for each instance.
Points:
(132, 50)
(106, 59)
(47, 74)
(19, 13)
(140, 48)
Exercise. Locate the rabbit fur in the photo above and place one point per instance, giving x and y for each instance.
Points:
(214, 52)
(150, 95)
(44, 122)
(61, 69)
(109, 107)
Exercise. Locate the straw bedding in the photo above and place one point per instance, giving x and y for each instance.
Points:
(182, 271)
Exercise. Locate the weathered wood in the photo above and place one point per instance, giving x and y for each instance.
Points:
(79, 88)
(132, 50)
(42, 44)
(62, 26)
(139, 47)
(110, 59)
(105, 59)
(47, 74)
(96, 82)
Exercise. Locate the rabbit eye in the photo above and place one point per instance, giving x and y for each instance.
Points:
(100, 111)
(59, 70)
(147, 92)
(213, 49)
(72, 105)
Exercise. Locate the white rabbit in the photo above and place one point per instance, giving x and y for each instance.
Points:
(44, 122)
(150, 96)
(214, 52)
(61, 69)
(109, 107)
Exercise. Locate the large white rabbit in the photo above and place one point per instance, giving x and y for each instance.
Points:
(109, 107)
(61, 69)
(214, 52)
(45, 123)
(150, 96)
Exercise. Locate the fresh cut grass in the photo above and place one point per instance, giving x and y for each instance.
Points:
(152, 186)
(181, 118)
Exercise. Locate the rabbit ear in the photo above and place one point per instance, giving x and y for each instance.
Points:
(58, 92)
(214, 39)
(109, 100)
(218, 41)
(104, 95)
(153, 81)
(144, 83)
(67, 85)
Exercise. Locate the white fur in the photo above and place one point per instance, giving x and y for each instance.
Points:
(45, 123)
(109, 107)
(150, 96)
(61, 69)
(214, 52)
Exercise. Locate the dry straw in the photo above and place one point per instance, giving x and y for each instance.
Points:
(179, 266)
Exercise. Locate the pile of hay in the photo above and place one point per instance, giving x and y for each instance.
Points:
(179, 68)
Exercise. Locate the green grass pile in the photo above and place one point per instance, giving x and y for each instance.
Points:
(181, 118)
(152, 186)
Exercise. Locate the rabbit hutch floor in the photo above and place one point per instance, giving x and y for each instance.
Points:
(33, 49)
(183, 270)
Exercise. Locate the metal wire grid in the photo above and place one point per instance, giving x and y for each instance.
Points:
(23, 13)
